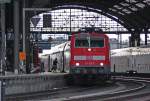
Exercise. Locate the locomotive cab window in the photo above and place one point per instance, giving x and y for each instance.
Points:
(81, 43)
(97, 42)
(89, 42)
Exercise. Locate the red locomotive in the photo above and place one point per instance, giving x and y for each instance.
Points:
(90, 55)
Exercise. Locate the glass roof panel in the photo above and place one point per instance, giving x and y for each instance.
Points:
(118, 7)
(63, 19)
(124, 4)
(126, 11)
(131, 1)
(121, 13)
(133, 8)
(141, 5)
(112, 9)
(147, 1)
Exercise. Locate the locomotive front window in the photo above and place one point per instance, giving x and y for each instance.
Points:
(89, 42)
(97, 43)
(81, 43)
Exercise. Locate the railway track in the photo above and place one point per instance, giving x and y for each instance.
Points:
(54, 93)
(140, 93)
(124, 89)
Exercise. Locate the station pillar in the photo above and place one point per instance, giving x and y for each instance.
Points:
(146, 32)
(16, 33)
(26, 40)
(3, 40)
(135, 39)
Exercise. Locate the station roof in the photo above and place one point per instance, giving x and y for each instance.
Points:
(133, 14)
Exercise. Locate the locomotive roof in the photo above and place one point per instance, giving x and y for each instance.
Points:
(130, 51)
(54, 49)
(85, 34)
(59, 47)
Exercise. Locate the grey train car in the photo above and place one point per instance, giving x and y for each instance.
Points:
(133, 59)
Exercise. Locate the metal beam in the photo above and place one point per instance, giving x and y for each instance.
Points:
(37, 9)
(146, 32)
(68, 32)
(16, 41)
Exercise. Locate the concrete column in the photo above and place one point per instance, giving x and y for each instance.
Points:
(16, 32)
(138, 39)
(24, 31)
(146, 32)
(3, 45)
(131, 42)
(135, 38)
(27, 43)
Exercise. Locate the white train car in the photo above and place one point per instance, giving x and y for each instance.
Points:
(45, 60)
(61, 52)
(130, 59)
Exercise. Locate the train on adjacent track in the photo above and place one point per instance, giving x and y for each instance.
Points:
(86, 55)
(132, 60)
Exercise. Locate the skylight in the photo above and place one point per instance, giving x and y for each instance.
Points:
(71, 19)
(141, 5)
(147, 1)
(131, 1)
(118, 7)
(112, 9)
(124, 4)
(121, 13)
(133, 8)
(126, 11)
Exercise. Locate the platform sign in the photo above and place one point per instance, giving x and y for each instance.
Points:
(4, 1)
(35, 21)
(22, 56)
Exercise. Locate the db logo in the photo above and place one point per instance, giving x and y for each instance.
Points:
(89, 57)
(89, 63)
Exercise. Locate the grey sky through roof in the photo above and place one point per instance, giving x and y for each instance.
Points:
(63, 19)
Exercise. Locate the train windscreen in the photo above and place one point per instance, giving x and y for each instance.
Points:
(89, 42)
(81, 43)
(97, 42)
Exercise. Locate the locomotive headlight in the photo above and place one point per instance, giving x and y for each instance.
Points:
(77, 64)
(101, 64)
(89, 49)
